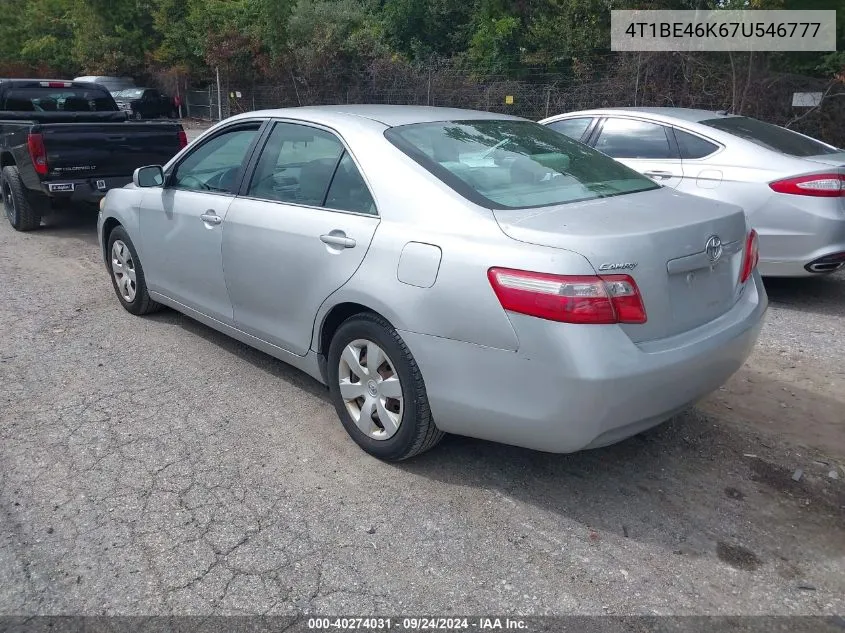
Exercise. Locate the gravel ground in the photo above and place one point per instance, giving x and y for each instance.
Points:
(154, 466)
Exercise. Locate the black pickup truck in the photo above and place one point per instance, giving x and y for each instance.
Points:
(64, 142)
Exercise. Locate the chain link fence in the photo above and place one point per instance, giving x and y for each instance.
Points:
(617, 81)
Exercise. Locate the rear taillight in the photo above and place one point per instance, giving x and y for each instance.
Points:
(568, 298)
(183, 139)
(750, 258)
(819, 185)
(38, 153)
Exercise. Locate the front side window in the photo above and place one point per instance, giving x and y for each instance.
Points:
(626, 138)
(514, 164)
(214, 166)
(573, 128)
(771, 136)
(307, 165)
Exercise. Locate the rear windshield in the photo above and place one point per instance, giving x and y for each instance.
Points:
(771, 136)
(131, 93)
(38, 99)
(509, 164)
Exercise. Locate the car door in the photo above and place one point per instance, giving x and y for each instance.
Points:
(704, 172)
(297, 233)
(150, 104)
(642, 145)
(182, 223)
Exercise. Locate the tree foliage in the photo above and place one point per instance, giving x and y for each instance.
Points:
(264, 37)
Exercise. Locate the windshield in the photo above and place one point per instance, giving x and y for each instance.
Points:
(771, 136)
(131, 93)
(508, 164)
(44, 99)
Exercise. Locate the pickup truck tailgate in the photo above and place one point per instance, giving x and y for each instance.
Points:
(102, 150)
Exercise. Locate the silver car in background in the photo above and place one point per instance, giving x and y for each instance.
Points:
(791, 186)
(444, 271)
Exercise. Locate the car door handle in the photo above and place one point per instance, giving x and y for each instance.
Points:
(210, 217)
(338, 239)
(662, 175)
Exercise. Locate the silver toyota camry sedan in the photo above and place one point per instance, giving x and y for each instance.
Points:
(791, 186)
(445, 271)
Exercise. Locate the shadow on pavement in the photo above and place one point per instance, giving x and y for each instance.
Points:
(820, 295)
(77, 222)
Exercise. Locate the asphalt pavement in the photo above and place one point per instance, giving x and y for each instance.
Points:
(154, 466)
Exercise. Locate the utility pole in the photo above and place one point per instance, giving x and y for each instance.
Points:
(219, 97)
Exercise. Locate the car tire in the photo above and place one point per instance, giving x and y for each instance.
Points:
(21, 214)
(415, 432)
(123, 263)
(138, 116)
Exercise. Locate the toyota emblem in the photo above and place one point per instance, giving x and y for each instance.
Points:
(713, 248)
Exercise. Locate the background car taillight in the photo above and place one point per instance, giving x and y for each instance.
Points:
(819, 185)
(183, 139)
(569, 298)
(38, 153)
(751, 257)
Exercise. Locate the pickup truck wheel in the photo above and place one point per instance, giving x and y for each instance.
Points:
(127, 276)
(22, 216)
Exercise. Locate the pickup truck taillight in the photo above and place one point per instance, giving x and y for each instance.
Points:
(38, 153)
(183, 139)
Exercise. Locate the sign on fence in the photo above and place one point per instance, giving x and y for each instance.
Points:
(806, 99)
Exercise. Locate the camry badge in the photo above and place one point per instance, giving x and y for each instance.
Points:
(713, 248)
(618, 266)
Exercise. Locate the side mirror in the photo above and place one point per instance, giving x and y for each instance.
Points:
(150, 176)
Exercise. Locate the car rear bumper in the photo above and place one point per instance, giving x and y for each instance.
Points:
(796, 231)
(571, 387)
(87, 190)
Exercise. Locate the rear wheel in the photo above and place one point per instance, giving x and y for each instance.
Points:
(378, 390)
(138, 116)
(127, 276)
(22, 215)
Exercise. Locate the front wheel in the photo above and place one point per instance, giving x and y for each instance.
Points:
(127, 276)
(138, 116)
(378, 390)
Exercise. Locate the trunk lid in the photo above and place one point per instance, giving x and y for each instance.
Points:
(104, 149)
(657, 237)
(834, 160)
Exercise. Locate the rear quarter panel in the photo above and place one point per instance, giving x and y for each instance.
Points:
(13, 139)
(417, 207)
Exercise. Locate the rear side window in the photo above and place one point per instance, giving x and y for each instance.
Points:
(692, 146)
(771, 136)
(296, 165)
(348, 191)
(514, 164)
(573, 128)
(626, 138)
(44, 99)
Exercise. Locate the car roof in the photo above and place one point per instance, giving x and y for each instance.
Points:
(667, 115)
(389, 115)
